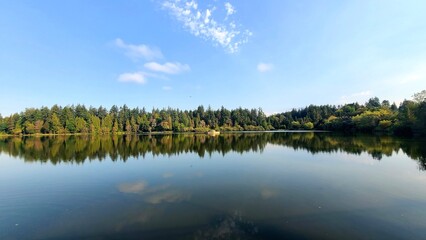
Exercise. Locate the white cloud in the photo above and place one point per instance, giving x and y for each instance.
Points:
(264, 67)
(168, 67)
(201, 23)
(229, 9)
(167, 88)
(137, 77)
(359, 97)
(206, 17)
(139, 51)
(153, 69)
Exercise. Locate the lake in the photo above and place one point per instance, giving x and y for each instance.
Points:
(273, 185)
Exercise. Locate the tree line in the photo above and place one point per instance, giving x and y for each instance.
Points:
(375, 115)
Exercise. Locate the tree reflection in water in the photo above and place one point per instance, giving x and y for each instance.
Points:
(78, 149)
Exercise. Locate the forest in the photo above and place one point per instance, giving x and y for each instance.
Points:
(409, 118)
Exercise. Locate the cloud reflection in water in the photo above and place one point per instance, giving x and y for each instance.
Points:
(155, 194)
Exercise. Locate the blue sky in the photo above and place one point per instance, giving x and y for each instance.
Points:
(276, 55)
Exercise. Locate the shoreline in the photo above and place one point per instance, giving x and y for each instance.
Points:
(204, 133)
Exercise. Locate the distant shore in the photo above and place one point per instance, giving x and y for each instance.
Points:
(163, 133)
(374, 116)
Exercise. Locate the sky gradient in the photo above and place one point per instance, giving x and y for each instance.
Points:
(276, 55)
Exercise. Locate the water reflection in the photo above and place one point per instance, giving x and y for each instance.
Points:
(154, 194)
(78, 149)
(229, 227)
(283, 193)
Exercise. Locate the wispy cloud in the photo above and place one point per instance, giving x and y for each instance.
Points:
(153, 69)
(229, 9)
(168, 67)
(139, 51)
(136, 77)
(201, 23)
(359, 97)
(264, 67)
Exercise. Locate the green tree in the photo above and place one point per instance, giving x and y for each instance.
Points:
(3, 126)
(366, 121)
(70, 125)
(420, 96)
(81, 125)
(144, 123)
(295, 125)
(29, 127)
(115, 127)
(128, 127)
(56, 124)
(17, 130)
(135, 125)
(107, 124)
(308, 126)
(95, 125)
(10, 125)
(373, 103)
(38, 126)
(385, 124)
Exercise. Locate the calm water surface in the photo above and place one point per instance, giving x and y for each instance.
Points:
(233, 186)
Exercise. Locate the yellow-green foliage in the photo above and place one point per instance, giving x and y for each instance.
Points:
(385, 124)
(308, 126)
(370, 119)
(295, 125)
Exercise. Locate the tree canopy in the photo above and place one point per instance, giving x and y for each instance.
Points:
(374, 115)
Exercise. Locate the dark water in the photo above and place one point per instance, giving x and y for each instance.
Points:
(233, 186)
